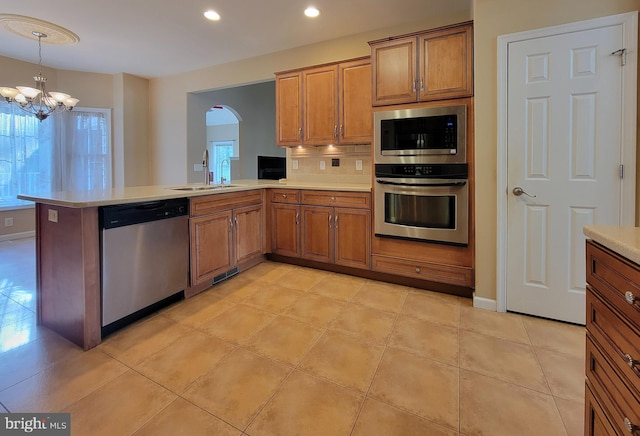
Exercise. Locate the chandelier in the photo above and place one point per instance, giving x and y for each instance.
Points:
(38, 101)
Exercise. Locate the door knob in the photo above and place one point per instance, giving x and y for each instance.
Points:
(518, 191)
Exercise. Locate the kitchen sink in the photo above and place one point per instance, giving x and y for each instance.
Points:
(203, 187)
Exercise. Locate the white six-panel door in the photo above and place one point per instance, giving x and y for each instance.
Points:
(564, 151)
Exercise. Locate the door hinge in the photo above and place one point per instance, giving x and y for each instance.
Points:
(622, 171)
(623, 56)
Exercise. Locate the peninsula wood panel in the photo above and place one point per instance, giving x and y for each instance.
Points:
(68, 273)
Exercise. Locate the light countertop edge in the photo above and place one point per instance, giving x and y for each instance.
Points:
(624, 240)
(134, 194)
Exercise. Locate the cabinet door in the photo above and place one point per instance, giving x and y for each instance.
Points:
(317, 233)
(394, 71)
(211, 249)
(352, 237)
(285, 229)
(289, 109)
(446, 64)
(248, 232)
(320, 107)
(356, 116)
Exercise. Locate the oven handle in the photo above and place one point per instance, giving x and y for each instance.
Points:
(435, 182)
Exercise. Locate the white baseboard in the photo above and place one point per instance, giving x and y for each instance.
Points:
(485, 303)
(12, 236)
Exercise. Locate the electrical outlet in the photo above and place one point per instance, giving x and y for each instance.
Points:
(322, 165)
(8, 222)
(358, 165)
(294, 164)
(335, 162)
(53, 215)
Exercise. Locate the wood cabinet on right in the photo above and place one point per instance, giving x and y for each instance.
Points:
(612, 401)
(431, 65)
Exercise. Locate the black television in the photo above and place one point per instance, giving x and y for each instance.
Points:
(272, 167)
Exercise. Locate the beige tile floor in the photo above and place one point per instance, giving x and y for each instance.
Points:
(284, 350)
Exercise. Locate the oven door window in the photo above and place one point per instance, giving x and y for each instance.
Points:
(434, 212)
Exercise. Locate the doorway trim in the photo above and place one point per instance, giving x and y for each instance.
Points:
(629, 22)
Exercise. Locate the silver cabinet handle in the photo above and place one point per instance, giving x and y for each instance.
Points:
(329, 221)
(418, 270)
(342, 130)
(297, 218)
(630, 297)
(631, 427)
(414, 85)
(284, 196)
(518, 191)
(230, 225)
(421, 84)
(300, 133)
(335, 222)
(335, 131)
(236, 222)
(630, 361)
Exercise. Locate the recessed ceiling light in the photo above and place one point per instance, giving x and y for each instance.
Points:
(212, 15)
(311, 12)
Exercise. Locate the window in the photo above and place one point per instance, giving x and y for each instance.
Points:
(223, 152)
(70, 151)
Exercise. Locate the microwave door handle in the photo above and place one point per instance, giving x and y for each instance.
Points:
(388, 182)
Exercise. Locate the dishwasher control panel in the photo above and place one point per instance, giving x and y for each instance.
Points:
(136, 213)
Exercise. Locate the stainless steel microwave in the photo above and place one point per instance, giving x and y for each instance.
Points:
(421, 135)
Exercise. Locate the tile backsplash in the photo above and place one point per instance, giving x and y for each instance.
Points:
(309, 161)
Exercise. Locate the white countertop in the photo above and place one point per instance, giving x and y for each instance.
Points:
(80, 199)
(621, 239)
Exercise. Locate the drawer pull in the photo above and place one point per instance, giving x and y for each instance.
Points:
(418, 270)
(630, 297)
(630, 425)
(630, 361)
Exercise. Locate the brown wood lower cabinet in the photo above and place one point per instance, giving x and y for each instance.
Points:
(612, 399)
(317, 230)
(225, 231)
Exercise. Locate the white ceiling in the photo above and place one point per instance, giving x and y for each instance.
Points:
(154, 38)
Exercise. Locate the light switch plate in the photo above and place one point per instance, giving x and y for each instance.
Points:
(358, 165)
(322, 165)
(294, 164)
(53, 215)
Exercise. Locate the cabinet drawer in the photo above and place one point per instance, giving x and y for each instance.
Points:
(455, 275)
(616, 279)
(217, 202)
(337, 198)
(291, 196)
(620, 405)
(596, 422)
(619, 340)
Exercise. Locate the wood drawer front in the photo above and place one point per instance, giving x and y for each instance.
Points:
(618, 340)
(596, 422)
(613, 276)
(455, 275)
(618, 402)
(337, 198)
(217, 202)
(291, 196)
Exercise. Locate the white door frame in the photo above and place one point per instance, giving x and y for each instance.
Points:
(629, 22)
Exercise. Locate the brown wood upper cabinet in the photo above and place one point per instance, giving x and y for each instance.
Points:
(431, 65)
(328, 104)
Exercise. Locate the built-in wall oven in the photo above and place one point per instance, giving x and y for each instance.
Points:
(421, 189)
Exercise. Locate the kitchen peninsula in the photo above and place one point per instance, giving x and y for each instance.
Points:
(68, 246)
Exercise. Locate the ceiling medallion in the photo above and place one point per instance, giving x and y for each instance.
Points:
(28, 27)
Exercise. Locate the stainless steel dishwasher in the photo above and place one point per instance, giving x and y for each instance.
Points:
(144, 259)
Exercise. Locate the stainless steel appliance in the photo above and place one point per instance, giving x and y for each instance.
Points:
(144, 258)
(421, 135)
(427, 202)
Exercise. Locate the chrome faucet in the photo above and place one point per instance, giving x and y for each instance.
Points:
(205, 166)
(223, 178)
